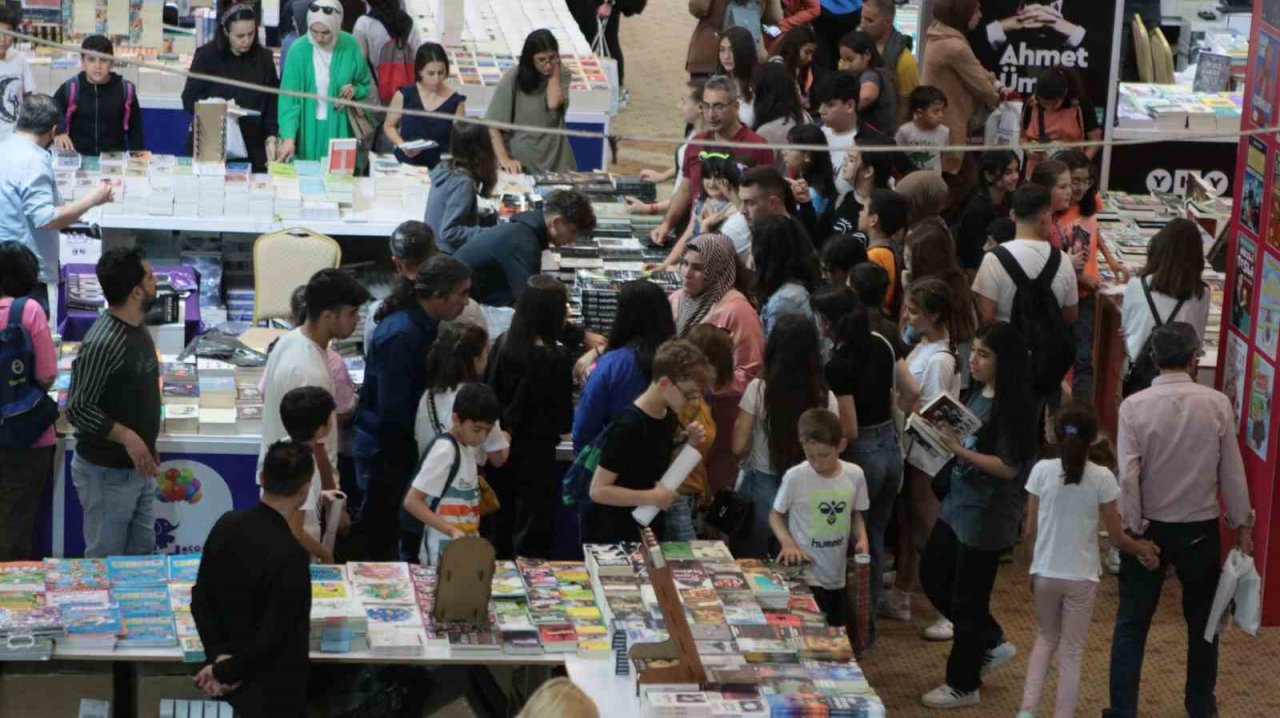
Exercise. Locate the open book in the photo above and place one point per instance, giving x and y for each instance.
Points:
(926, 450)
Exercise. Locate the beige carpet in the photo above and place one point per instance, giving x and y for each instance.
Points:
(905, 666)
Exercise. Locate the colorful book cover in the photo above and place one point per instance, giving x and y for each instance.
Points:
(22, 576)
(99, 597)
(385, 592)
(392, 616)
(82, 620)
(184, 567)
(137, 570)
(75, 574)
(324, 572)
(21, 600)
(149, 630)
(329, 590)
(180, 596)
(677, 551)
(149, 600)
(366, 572)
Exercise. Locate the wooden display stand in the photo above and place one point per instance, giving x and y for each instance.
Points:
(679, 646)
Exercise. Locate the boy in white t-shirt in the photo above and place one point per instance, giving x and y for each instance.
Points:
(818, 508)
(445, 495)
(836, 95)
(925, 129)
(307, 414)
(994, 289)
(16, 77)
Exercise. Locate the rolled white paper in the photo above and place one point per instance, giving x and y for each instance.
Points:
(677, 472)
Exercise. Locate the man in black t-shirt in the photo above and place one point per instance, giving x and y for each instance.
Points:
(639, 444)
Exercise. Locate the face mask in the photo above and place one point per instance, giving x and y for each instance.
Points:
(909, 335)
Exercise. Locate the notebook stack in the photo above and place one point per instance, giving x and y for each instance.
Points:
(28, 624)
(80, 588)
(338, 621)
(510, 613)
(563, 607)
(180, 391)
(395, 627)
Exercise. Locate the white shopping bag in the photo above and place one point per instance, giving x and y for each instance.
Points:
(1004, 126)
(609, 65)
(1239, 580)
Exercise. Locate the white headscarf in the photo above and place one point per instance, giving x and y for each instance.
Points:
(322, 57)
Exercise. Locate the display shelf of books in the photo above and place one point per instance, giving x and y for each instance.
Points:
(492, 37)
(1176, 112)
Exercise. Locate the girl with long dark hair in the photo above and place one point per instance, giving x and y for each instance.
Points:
(787, 269)
(1172, 275)
(234, 53)
(533, 93)
(385, 23)
(472, 170)
(778, 104)
(998, 176)
(930, 252)
(616, 375)
(982, 505)
(1068, 496)
(739, 56)
(764, 435)
(795, 51)
(532, 374)
(877, 100)
(430, 92)
(813, 180)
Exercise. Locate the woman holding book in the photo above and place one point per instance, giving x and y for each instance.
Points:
(431, 92)
(982, 505)
(234, 53)
(327, 62)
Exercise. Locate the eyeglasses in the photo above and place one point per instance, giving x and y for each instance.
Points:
(316, 7)
(716, 108)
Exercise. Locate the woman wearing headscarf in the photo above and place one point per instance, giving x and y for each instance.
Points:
(926, 194)
(712, 276)
(327, 62)
(236, 54)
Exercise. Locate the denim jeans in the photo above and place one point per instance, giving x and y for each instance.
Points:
(760, 489)
(117, 506)
(877, 453)
(1082, 378)
(678, 519)
(1194, 551)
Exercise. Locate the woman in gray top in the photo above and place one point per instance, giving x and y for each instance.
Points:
(472, 169)
(533, 93)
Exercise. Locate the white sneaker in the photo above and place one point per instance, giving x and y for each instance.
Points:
(944, 696)
(997, 657)
(896, 605)
(941, 630)
(1113, 561)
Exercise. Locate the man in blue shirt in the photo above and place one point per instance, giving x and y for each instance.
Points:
(394, 380)
(30, 210)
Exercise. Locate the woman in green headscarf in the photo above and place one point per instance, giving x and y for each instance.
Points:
(330, 60)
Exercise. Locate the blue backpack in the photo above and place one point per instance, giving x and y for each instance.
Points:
(26, 410)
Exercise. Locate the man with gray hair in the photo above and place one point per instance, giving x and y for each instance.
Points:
(31, 211)
(1178, 452)
(719, 122)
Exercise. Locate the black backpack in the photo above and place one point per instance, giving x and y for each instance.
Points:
(1051, 341)
(1142, 370)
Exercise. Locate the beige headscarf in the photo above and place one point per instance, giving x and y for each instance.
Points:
(720, 263)
(332, 20)
(926, 194)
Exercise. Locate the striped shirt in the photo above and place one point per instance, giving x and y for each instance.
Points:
(115, 380)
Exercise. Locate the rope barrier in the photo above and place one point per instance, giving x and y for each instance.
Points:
(670, 141)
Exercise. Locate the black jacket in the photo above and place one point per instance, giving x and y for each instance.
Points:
(98, 123)
(502, 258)
(255, 66)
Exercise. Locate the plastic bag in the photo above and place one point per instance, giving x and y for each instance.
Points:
(214, 344)
(1241, 585)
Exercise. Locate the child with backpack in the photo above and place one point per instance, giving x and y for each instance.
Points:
(1068, 495)
(100, 110)
(445, 495)
(1057, 112)
(307, 413)
(884, 222)
(30, 365)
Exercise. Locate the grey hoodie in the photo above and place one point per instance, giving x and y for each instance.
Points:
(451, 207)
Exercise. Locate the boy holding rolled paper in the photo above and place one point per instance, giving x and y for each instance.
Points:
(644, 456)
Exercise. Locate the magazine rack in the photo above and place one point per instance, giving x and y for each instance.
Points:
(679, 647)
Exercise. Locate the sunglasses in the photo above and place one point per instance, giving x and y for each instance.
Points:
(322, 8)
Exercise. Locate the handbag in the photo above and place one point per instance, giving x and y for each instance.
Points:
(364, 130)
(730, 513)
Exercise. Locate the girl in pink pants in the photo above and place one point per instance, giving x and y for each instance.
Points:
(1067, 496)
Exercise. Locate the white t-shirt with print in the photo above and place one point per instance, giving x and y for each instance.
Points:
(995, 284)
(819, 514)
(917, 143)
(460, 505)
(933, 364)
(295, 362)
(424, 429)
(1067, 523)
(840, 143)
(16, 81)
(753, 403)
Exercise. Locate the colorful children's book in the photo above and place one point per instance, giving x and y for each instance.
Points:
(137, 570)
(184, 567)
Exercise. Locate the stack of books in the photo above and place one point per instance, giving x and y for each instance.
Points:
(180, 392)
(28, 624)
(217, 388)
(139, 585)
(395, 627)
(183, 570)
(338, 621)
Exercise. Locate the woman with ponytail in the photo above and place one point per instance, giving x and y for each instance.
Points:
(1068, 494)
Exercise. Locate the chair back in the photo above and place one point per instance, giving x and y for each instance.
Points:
(284, 261)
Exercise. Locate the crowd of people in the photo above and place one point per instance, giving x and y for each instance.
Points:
(826, 296)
